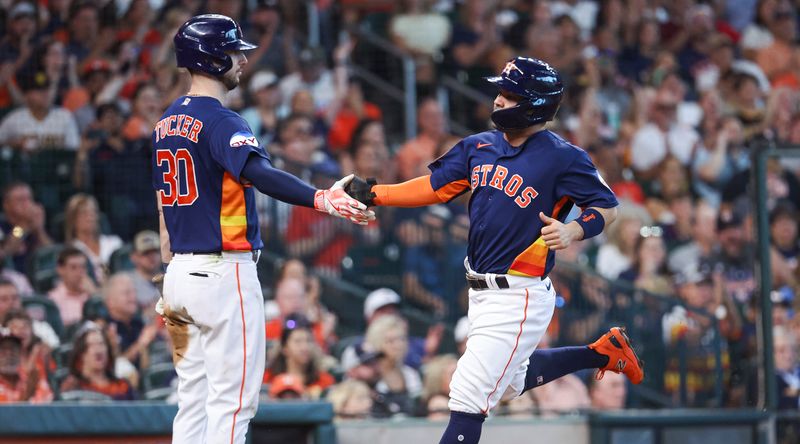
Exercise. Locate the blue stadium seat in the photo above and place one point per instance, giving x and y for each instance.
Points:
(121, 259)
(42, 267)
(84, 396)
(157, 376)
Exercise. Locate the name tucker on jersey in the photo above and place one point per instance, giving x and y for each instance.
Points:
(501, 181)
(179, 125)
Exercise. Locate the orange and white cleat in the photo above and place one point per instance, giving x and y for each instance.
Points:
(621, 357)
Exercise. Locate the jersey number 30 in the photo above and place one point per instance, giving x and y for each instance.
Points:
(178, 176)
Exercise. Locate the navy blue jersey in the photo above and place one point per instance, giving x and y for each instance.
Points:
(200, 149)
(510, 186)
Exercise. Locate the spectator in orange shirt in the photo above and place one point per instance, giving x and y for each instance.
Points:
(291, 298)
(19, 380)
(352, 109)
(776, 59)
(415, 155)
(146, 112)
(83, 99)
(297, 356)
(19, 323)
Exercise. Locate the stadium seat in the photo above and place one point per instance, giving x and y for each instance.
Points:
(159, 394)
(84, 396)
(157, 376)
(56, 378)
(61, 354)
(42, 308)
(160, 352)
(121, 259)
(42, 267)
(372, 266)
(340, 346)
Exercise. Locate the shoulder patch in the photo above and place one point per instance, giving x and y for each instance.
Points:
(243, 138)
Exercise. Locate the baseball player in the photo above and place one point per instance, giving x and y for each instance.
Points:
(524, 181)
(207, 163)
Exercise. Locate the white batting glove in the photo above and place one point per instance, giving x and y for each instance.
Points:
(336, 202)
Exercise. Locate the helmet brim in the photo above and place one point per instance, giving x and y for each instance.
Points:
(506, 84)
(240, 45)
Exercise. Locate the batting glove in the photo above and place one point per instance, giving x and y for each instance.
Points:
(336, 202)
(361, 190)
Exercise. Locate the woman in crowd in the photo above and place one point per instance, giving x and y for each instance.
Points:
(82, 230)
(351, 400)
(399, 385)
(91, 366)
(297, 355)
(616, 255)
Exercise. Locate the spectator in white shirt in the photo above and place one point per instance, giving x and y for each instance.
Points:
(662, 135)
(82, 230)
(39, 125)
(313, 76)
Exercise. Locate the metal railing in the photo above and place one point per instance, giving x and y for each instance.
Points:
(406, 93)
(768, 396)
(582, 317)
(450, 86)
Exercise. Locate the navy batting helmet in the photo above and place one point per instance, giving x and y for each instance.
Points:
(201, 42)
(537, 83)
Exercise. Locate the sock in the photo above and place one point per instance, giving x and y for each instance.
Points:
(463, 428)
(550, 364)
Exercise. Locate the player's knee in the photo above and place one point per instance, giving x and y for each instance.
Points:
(465, 406)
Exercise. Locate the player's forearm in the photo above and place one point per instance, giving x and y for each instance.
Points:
(278, 183)
(163, 234)
(609, 215)
(413, 193)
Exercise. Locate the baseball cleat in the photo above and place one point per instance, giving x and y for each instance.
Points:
(621, 356)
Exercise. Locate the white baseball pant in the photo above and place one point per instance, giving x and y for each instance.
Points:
(506, 325)
(214, 310)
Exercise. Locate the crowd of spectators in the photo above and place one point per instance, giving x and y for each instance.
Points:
(670, 98)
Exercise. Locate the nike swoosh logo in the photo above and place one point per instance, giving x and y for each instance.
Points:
(481, 145)
(548, 286)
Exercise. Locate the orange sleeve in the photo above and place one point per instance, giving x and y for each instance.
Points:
(416, 193)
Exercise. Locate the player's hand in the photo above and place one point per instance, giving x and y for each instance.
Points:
(361, 190)
(557, 235)
(336, 202)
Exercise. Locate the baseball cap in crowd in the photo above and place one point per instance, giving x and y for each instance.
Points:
(378, 299)
(32, 79)
(693, 274)
(311, 55)
(269, 4)
(462, 329)
(146, 241)
(95, 65)
(286, 382)
(23, 9)
(367, 356)
(728, 219)
(263, 79)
